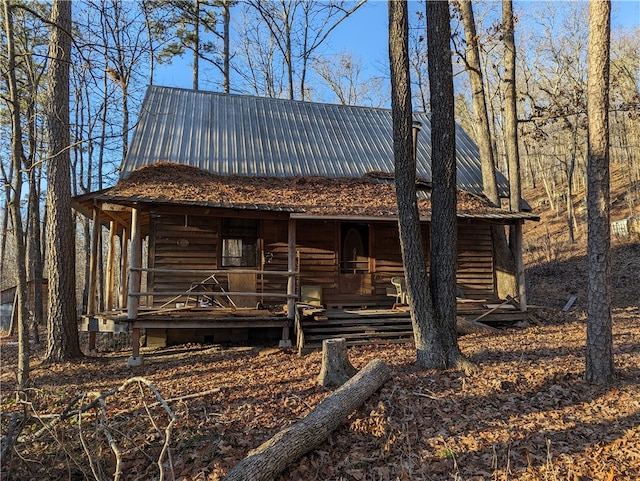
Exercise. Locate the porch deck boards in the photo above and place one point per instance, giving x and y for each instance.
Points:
(185, 318)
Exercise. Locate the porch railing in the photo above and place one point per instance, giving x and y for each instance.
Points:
(134, 293)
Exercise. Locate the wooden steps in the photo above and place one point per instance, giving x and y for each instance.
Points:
(365, 326)
(356, 326)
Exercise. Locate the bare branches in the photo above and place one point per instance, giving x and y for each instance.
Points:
(133, 419)
(8, 440)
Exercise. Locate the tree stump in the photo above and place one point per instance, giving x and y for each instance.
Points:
(273, 456)
(336, 368)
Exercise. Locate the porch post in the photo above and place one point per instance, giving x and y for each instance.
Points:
(111, 275)
(134, 285)
(124, 268)
(93, 276)
(522, 292)
(291, 282)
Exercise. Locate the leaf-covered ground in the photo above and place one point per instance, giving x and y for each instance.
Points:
(527, 414)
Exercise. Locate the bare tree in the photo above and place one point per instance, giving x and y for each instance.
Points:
(510, 110)
(413, 255)
(445, 351)
(298, 28)
(483, 133)
(62, 339)
(125, 46)
(258, 66)
(505, 277)
(343, 75)
(34, 39)
(17, 158)
(418, 61)
(558, 111)
(599, 355)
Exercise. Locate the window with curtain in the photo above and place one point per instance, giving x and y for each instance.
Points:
(239, 242)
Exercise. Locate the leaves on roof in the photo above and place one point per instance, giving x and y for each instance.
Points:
(370, 195)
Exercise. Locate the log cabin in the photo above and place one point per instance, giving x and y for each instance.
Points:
(259, 216)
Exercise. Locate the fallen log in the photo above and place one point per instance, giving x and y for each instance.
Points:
(466, 326)
(273, 456)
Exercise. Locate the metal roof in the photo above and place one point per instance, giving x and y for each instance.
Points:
(254, 136)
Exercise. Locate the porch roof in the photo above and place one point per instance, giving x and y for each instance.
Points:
(372, 196)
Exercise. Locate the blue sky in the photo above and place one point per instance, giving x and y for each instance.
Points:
(364, 34)
(366, 31)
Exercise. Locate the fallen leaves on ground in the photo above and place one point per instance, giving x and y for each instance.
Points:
(527, 414)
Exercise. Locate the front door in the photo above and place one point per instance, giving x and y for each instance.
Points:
(354, 278)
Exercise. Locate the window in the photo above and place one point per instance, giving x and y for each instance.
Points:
(355, 248)
(239, 242)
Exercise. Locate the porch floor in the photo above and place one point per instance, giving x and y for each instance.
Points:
(184, 318)
(313, 324)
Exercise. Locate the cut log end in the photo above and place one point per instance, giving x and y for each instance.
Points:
(336, 368)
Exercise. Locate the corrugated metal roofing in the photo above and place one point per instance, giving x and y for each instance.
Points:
(253, 136)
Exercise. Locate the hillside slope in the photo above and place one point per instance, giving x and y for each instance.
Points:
(557, 269)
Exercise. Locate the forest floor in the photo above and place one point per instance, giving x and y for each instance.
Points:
(526, 414)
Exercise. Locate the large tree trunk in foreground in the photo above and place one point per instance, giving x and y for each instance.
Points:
(599, 361)
(273, 456)
(413, 255)
(62, 339)
(441, 350)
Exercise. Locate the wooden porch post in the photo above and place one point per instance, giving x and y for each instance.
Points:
(93, 276)
(124, 268)
(109, 295)
(522, 292)
(291, 282)
(134, 285)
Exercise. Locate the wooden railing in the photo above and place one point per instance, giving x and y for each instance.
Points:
(135, 293)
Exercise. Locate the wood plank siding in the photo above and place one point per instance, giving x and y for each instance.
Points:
(193, 241)
(475, 270)
(181, 241)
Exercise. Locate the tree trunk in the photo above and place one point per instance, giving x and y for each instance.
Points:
(443, 350)
(483, 137)
(62, 340)
(273, 456)
(510, 111)
(505, 264)
(226, 17)
(505, 255)
(413, 256)
(196, 46)
(336, 367)
(17, 156)
(34, 254)
(35, 262)
(599, 354)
